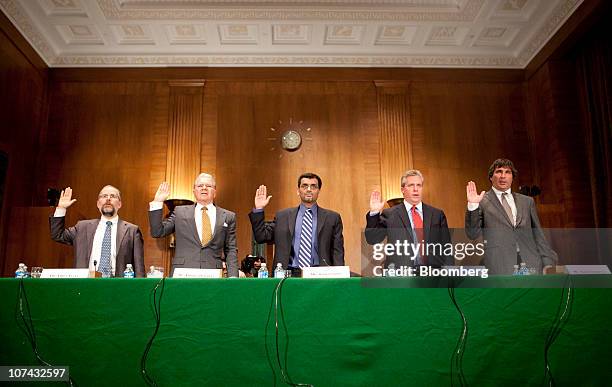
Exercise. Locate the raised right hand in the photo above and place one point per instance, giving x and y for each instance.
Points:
(472, 193)
(376, 202)
(162, 192)
(65, 199)
(261, 197)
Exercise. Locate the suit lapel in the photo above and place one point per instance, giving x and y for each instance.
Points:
(427, 220)
(291, 219)
(191, 221)
(321, 215)
(495, 201)
(90, 232)
(121, 231)
(403, 215)
(219, 221)
(519, 214)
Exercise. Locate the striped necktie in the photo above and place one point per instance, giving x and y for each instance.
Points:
(305, 254)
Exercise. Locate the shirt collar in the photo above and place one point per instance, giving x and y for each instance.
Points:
(303, 208)
(210, 206)
(114, 219)
(499, 193)
(408, 206)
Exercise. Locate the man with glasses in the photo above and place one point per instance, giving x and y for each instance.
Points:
(106, 244)
(205, 234)
(306, 235)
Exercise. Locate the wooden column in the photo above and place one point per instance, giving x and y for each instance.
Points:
(395, 135)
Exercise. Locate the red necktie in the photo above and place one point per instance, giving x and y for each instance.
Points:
(418, 229)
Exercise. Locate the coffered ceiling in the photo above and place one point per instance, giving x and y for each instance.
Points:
(346, 33)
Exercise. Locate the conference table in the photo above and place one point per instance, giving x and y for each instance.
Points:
(331, 332)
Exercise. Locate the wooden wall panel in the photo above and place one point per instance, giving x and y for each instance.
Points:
(109, 133)
(122, 133)
(458, 130)
(23, 102)
(339, 116)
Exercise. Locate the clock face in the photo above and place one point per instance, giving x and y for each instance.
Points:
(291, 140)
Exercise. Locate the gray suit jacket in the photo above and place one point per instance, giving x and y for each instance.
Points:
(490, 221)
(81, 236)
(189, 251)
(281, 230)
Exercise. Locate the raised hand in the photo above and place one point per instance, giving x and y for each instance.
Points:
(261, 197)
(376, 202)
(65, 199)
(472, 193)
(162, 192)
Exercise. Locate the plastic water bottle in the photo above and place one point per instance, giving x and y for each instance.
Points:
(524, 270)
(516, 270)
(279, 272)
(263, 271)
(129, 271)
(391, 270)
(22, 271)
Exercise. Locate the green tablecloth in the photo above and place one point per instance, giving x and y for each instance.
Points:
(341, 333)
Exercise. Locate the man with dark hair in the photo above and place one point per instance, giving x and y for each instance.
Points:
(306, 235)
(106, 244)
(508, 222)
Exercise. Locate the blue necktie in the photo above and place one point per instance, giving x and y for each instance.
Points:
(105, 262)
(305, 254)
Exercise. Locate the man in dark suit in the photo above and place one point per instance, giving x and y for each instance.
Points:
(106, 244)
(409, 223)
(508, 222)
(205, 234)
(306, 235)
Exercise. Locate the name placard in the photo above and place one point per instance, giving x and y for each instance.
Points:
(197, 273)
(587, 269)
(326, 272)
(65, 273)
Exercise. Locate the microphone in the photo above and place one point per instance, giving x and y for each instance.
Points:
(95, 265)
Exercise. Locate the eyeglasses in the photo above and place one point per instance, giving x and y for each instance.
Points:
(313, 187)
(106, 196)
(209, 186)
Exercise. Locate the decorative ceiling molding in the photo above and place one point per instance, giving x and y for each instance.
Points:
(350, 33)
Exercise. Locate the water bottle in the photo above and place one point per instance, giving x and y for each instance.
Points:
(523, 270)
(129, 271)
(279, 272)
(516, 270)
(263, 271)
(391, 270)
(22, 271)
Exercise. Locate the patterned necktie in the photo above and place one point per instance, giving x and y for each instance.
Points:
(418, 230)
(305, 254)
(105, 263)
(507, 207)
(206, 230)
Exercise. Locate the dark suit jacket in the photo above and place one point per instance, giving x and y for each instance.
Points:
(81, 236)
(281, 231)
(394, 224)
(189, 251)
(490, 220)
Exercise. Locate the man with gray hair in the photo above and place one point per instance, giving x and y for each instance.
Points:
(412, 222)
(106, 244)
(205, 234)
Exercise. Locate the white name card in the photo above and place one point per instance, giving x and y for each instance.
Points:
(326, 272)
(65, 273)
(587, 269)
(197, 273)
